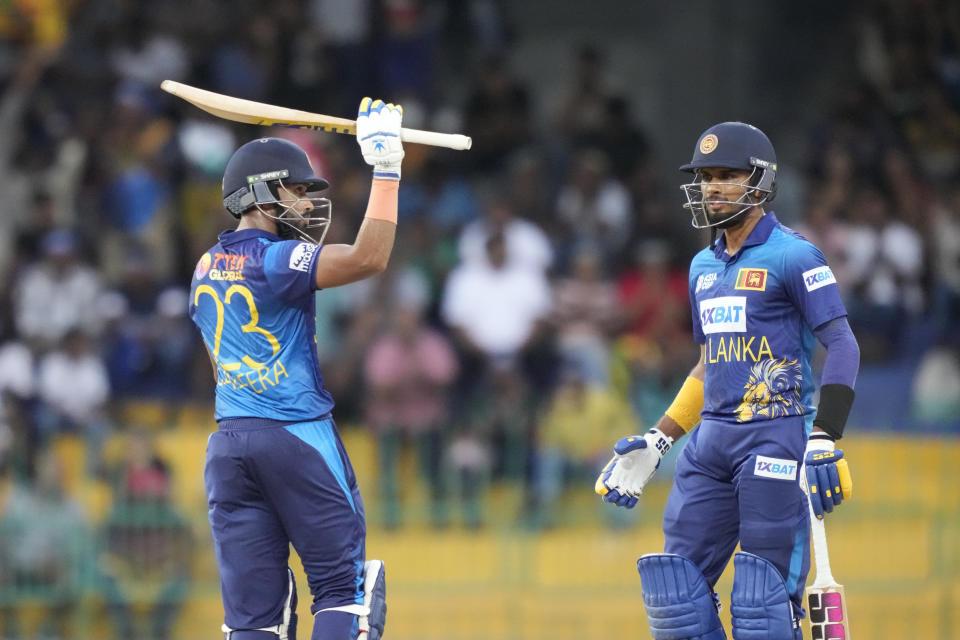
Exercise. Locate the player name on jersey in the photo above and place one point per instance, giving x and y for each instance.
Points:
(257, 379)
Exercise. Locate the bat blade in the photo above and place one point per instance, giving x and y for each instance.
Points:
(827, 608)
(258, 113)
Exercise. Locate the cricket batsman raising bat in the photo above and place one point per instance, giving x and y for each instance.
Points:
(761, 295)
(277, 473)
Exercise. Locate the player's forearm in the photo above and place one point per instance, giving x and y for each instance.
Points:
(373, 246)
(670, 427)
(839, 376)
(684, 413)
(374, 242)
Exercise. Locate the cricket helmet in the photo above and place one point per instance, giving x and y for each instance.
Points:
(257, 170)
(731, 145)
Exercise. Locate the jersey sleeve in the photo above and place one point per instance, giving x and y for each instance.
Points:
(811, 285)
(290, 268)
(698, 335)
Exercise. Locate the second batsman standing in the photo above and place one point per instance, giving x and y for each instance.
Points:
(760, 296)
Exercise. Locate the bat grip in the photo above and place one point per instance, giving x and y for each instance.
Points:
(818, 533)
(434, 139)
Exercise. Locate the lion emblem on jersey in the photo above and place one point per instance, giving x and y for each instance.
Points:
(772, 391)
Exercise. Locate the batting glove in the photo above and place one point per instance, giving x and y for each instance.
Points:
(634, 462)
(825, 475)
(378, 134)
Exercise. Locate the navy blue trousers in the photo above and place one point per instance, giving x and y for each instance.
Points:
(270, 487)
(740, 483)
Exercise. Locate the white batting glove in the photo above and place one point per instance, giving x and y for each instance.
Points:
(378, 134)
(634, 462)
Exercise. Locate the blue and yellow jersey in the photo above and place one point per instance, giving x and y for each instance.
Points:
(252, 298)
(755, 313)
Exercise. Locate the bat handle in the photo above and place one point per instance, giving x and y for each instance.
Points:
(434, 139)
(819, 535)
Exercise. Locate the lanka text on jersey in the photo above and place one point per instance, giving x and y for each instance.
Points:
(252, 298)
(756, 321)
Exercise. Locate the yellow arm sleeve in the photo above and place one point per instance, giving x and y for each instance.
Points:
(688, 404)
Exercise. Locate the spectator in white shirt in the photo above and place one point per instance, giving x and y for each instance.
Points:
(74, 389)
(497, 310)
(526, 244)
(57, 294)
(496, 307)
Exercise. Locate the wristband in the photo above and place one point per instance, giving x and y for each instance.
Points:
(688, 404)
(835, 403)
(382, 204)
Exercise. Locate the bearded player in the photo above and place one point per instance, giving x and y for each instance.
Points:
(760, 296)
(276, 471)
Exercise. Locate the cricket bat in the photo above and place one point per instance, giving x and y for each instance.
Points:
(826, 600)
(250, 112)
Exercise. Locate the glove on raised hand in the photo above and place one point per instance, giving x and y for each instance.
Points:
(378, 134)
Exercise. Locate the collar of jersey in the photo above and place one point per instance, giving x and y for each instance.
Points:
(231, 237)
(759, 235)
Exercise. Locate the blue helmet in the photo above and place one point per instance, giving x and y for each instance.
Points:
(254, 174)
(732, 145)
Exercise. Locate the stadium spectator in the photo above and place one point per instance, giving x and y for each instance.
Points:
(586, 314)
(527, 246)
(583, 109)
(653, 298)
(409, 371)
(946, 270)
(57, 294)
(497, 115)
(148, 338)
(594, 204)
(822, 225)
(18, 389)
(45, 548)
(498, 310)
(145, 562)
(407, 53)
(74, 388)
(885, 265)
(573, 440)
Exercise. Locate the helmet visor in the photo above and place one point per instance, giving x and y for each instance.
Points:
(715, 209)
(306, 217)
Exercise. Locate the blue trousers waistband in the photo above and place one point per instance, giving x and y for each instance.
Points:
(244, 424)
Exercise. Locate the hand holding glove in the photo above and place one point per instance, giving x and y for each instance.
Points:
(378, 134)
(825, 475)
(635, 460)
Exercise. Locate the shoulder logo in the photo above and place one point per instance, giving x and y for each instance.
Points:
(708, 144)
(203, 266)
(705, 281)
(819, 277)
(302, 256)
(752, 279)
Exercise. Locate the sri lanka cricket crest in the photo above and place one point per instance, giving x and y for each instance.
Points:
(772, 391)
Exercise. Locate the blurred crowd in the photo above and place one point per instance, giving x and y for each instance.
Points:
(536, 305)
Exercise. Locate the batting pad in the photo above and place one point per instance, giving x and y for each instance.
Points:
(759, 604)
(680, 605)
